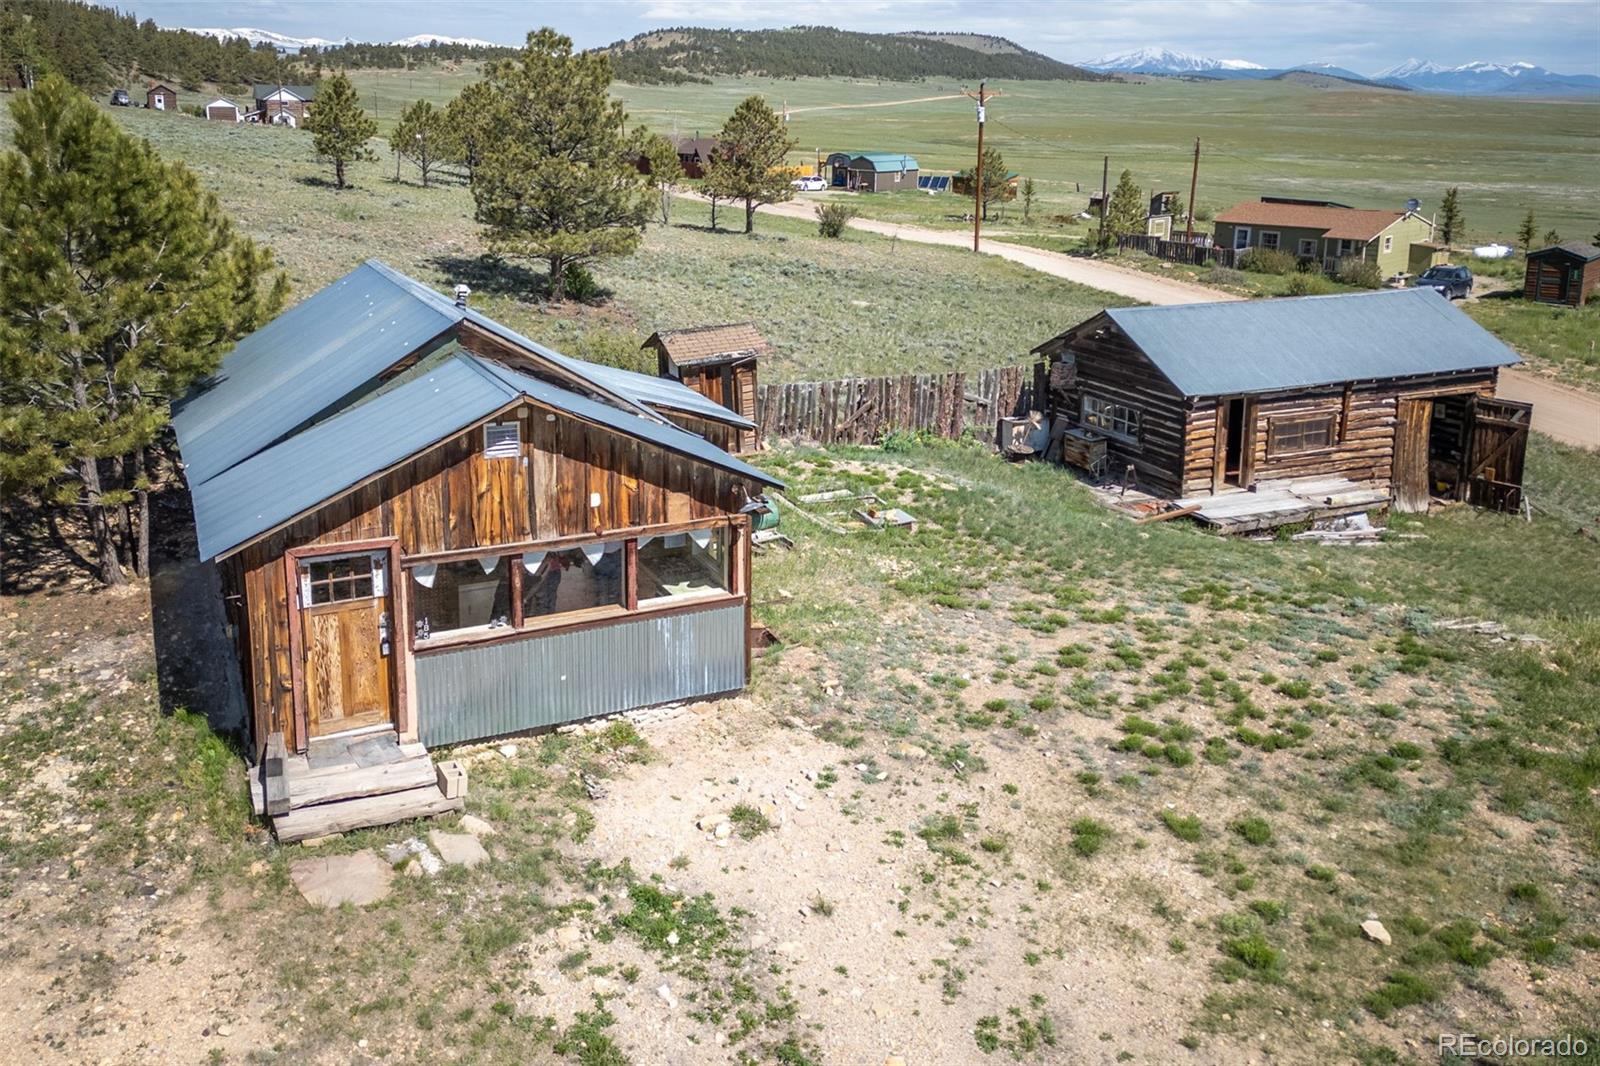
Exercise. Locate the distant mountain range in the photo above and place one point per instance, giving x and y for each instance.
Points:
(1525, 79)
(285, 43)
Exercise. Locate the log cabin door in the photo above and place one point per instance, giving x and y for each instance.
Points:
(1409, 478)
(346, 640)
(1497, 441)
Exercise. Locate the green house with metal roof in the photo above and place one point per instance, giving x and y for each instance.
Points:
(1387, 395)
(431, 529)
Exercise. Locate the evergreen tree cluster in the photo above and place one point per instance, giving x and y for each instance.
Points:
(694, 54)
(96, 48)
(356, 55)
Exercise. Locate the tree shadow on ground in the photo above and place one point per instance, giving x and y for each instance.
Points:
(39, 549)
(197, 667)
(495, 276)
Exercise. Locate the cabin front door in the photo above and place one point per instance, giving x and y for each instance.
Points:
(346, 629)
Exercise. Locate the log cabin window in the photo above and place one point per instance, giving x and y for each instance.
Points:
(462, 595)
(683, 565)
(1113, 419)
(340, 579)
(1287, 436)
(573, 579)
(502, 440)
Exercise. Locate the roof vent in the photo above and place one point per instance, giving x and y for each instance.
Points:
(462, 292)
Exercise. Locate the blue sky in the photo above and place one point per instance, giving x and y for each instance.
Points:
(1363, 35)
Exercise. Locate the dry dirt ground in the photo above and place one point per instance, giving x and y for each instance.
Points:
(900, 874)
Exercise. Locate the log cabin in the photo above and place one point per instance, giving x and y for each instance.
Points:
(1360, 400)
(431, 529)
(719, 362)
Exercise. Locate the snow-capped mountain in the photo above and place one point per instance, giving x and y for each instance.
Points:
(285, 43)
(1166, 61)
(1483, 78)
(439, 38)
(282, 42)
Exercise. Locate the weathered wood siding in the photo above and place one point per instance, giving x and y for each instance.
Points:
(1109, 366)
(451, 498)
(861, 410)
(1549, 278)
(1364, 425)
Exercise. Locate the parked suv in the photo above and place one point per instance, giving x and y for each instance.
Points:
(1451, 282)
(119, 98)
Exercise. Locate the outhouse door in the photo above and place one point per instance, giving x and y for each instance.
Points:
(1409, 477)
(346, 640)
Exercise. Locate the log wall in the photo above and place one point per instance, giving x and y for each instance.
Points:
(1109, 366)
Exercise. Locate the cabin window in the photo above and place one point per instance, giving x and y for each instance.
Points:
(1115, 419)
(461, 595)
(338, 580)
(1388, 244)
(1308, 247)
(1270, 239)
(683, 565)
(1286, 436)
(573, 579)
(502, 440)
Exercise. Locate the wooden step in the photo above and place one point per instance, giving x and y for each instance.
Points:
(331, 784)
(365, 812)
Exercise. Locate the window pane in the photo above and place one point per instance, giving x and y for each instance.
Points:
(574, 580)
(462, 596)
(684, 564)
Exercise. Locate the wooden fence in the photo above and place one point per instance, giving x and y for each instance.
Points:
(1178, 251)
(862, 410)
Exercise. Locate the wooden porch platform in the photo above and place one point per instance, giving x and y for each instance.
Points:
(344, 783)
(1269, 504)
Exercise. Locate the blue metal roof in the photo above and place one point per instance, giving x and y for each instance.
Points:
(1243, 346)
(884, 162)
(273, 486)
(303, 362)
(313, 466)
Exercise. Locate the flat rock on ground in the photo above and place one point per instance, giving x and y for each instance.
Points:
(458, 849)
(327, 881)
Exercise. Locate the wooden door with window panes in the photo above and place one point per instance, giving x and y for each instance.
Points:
(346, 641)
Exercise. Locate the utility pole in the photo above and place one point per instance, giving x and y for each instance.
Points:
(977, 185)
(1105, 173)
(1194, 179)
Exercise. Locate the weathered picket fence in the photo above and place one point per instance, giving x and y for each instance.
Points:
(1196, 254)
(862, 410)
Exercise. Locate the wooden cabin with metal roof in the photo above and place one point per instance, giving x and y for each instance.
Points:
(432, 529)
(720, 363)
(1369, 397)
(1564, 273)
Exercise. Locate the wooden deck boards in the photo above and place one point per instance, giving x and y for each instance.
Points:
(1276, 503)
(349, 783)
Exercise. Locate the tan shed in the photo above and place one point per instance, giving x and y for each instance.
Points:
(719, 362)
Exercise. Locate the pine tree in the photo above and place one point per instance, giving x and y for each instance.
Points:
(1451, 222)
(121, 283)
(20, 55)
(470, 118)
(1027, 198)
(423, 136)
(747, 163)
(1527, 232)
(995, 186)
(666, 169)
(1126, 214)
(1551, 236)
(558, 182)
(340, 128)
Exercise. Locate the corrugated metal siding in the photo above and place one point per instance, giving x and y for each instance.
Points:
(494, 689)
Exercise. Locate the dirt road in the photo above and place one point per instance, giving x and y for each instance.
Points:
(1568, 414)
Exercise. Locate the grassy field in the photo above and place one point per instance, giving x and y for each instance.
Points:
(1365, 148)
(861, 305)
(1034, 783)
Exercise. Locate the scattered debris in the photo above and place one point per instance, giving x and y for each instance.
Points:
(593, 785)
(401, 853)
(1487, 629)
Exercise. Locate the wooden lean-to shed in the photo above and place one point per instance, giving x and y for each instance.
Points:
(1564, 273)
(431, 529)
(1375, 396)
(720, 363)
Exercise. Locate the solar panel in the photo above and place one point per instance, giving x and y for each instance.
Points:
(924, 182)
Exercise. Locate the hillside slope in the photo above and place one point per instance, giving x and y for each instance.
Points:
(691, 53)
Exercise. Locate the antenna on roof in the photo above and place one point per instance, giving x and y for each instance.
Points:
(462, 292)
(1412, 205)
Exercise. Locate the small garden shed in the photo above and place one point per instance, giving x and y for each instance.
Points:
(879, 172)
(720, 363)
(1392, 389)
(431, 529)
(223, 110)
(1564, 273)
(161, 98)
